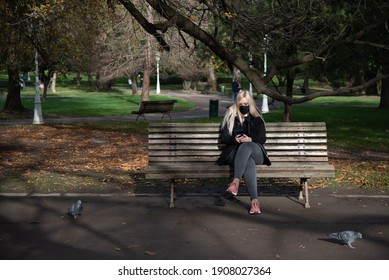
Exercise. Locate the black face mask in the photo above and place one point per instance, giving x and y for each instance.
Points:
(244, 109)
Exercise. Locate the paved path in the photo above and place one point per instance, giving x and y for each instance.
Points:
(119, 226)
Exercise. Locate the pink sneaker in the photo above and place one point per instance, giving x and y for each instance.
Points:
(254, 210)
(232, 190)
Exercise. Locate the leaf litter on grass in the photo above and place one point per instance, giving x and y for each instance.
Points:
(59, 158)
(84, 158)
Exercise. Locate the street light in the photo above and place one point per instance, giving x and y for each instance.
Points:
(250, 62)
(158, 58)
(38, 119)
(265, 107)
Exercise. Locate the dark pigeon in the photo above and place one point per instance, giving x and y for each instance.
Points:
(347, 237)
(75, 209)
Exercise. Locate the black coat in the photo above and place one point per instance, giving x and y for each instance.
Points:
(253, 127)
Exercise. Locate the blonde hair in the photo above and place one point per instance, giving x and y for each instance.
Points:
(233, 111)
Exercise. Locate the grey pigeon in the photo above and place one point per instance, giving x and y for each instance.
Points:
(347, 237)
(75, 209)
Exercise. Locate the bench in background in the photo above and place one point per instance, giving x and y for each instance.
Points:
(163, 106)
(190, 150)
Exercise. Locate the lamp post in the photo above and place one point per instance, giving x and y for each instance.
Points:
(250, 62)
(158, 58)
(265, 107)
(38, 119)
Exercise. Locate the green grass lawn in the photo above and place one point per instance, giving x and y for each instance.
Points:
(79, 102)
(356, 128)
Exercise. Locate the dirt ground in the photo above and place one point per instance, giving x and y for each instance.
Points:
(60, 158)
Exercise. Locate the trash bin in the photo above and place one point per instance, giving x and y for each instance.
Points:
(213, 108)
(222, 90)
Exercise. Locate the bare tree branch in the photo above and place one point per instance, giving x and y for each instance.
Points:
(149, 27)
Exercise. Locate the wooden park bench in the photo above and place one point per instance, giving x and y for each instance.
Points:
(163, 106)
(190, 150)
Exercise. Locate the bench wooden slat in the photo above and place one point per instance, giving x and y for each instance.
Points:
(269, 148)
(174, 135)
(268, 125)
(294, 135)
(166, 141)
(201, 167)
(207, 159)
(181, 153)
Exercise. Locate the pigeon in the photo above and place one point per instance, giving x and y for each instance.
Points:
(75, 209)
(347, 237)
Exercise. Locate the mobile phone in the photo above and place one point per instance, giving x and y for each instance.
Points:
(239, 132)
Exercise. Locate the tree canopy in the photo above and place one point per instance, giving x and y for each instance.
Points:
(293, 33)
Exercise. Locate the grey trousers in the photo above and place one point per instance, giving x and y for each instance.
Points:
(247, 156)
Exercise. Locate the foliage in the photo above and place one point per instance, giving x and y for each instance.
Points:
(298, 32)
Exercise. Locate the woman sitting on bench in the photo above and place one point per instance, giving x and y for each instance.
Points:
(244, 133)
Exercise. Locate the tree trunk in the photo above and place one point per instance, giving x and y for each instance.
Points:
(290, 77)
(384, 100)
(212, 82)
(13, 103)
(147, 67)
(97, 82)
(235, 83)
(186, 84)
(91, 82)
(53, 85)
(287, 117)
(134, 85)
(306, 82)
(45, 79)
(323, 81)
(371, 90)
(147, 72)
(78, 78)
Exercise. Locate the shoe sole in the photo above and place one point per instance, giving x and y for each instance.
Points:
(229, 195)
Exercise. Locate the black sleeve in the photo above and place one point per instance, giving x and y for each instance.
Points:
(258, 130)
(226, 138)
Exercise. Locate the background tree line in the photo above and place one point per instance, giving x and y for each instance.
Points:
(343, 44)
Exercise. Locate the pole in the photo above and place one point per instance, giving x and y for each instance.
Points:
(158, 57)
(265, 106)
(38, 119)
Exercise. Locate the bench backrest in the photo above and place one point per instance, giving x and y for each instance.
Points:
(197, 145)
(162, 106)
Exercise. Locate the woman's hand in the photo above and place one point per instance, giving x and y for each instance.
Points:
(243, 138)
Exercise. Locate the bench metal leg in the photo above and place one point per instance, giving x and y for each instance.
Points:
(301, 187)
(172, 194)
(304, 186)
(143, 115)
(163, 115)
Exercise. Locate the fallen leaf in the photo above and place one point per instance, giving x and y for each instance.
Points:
(150, 253)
